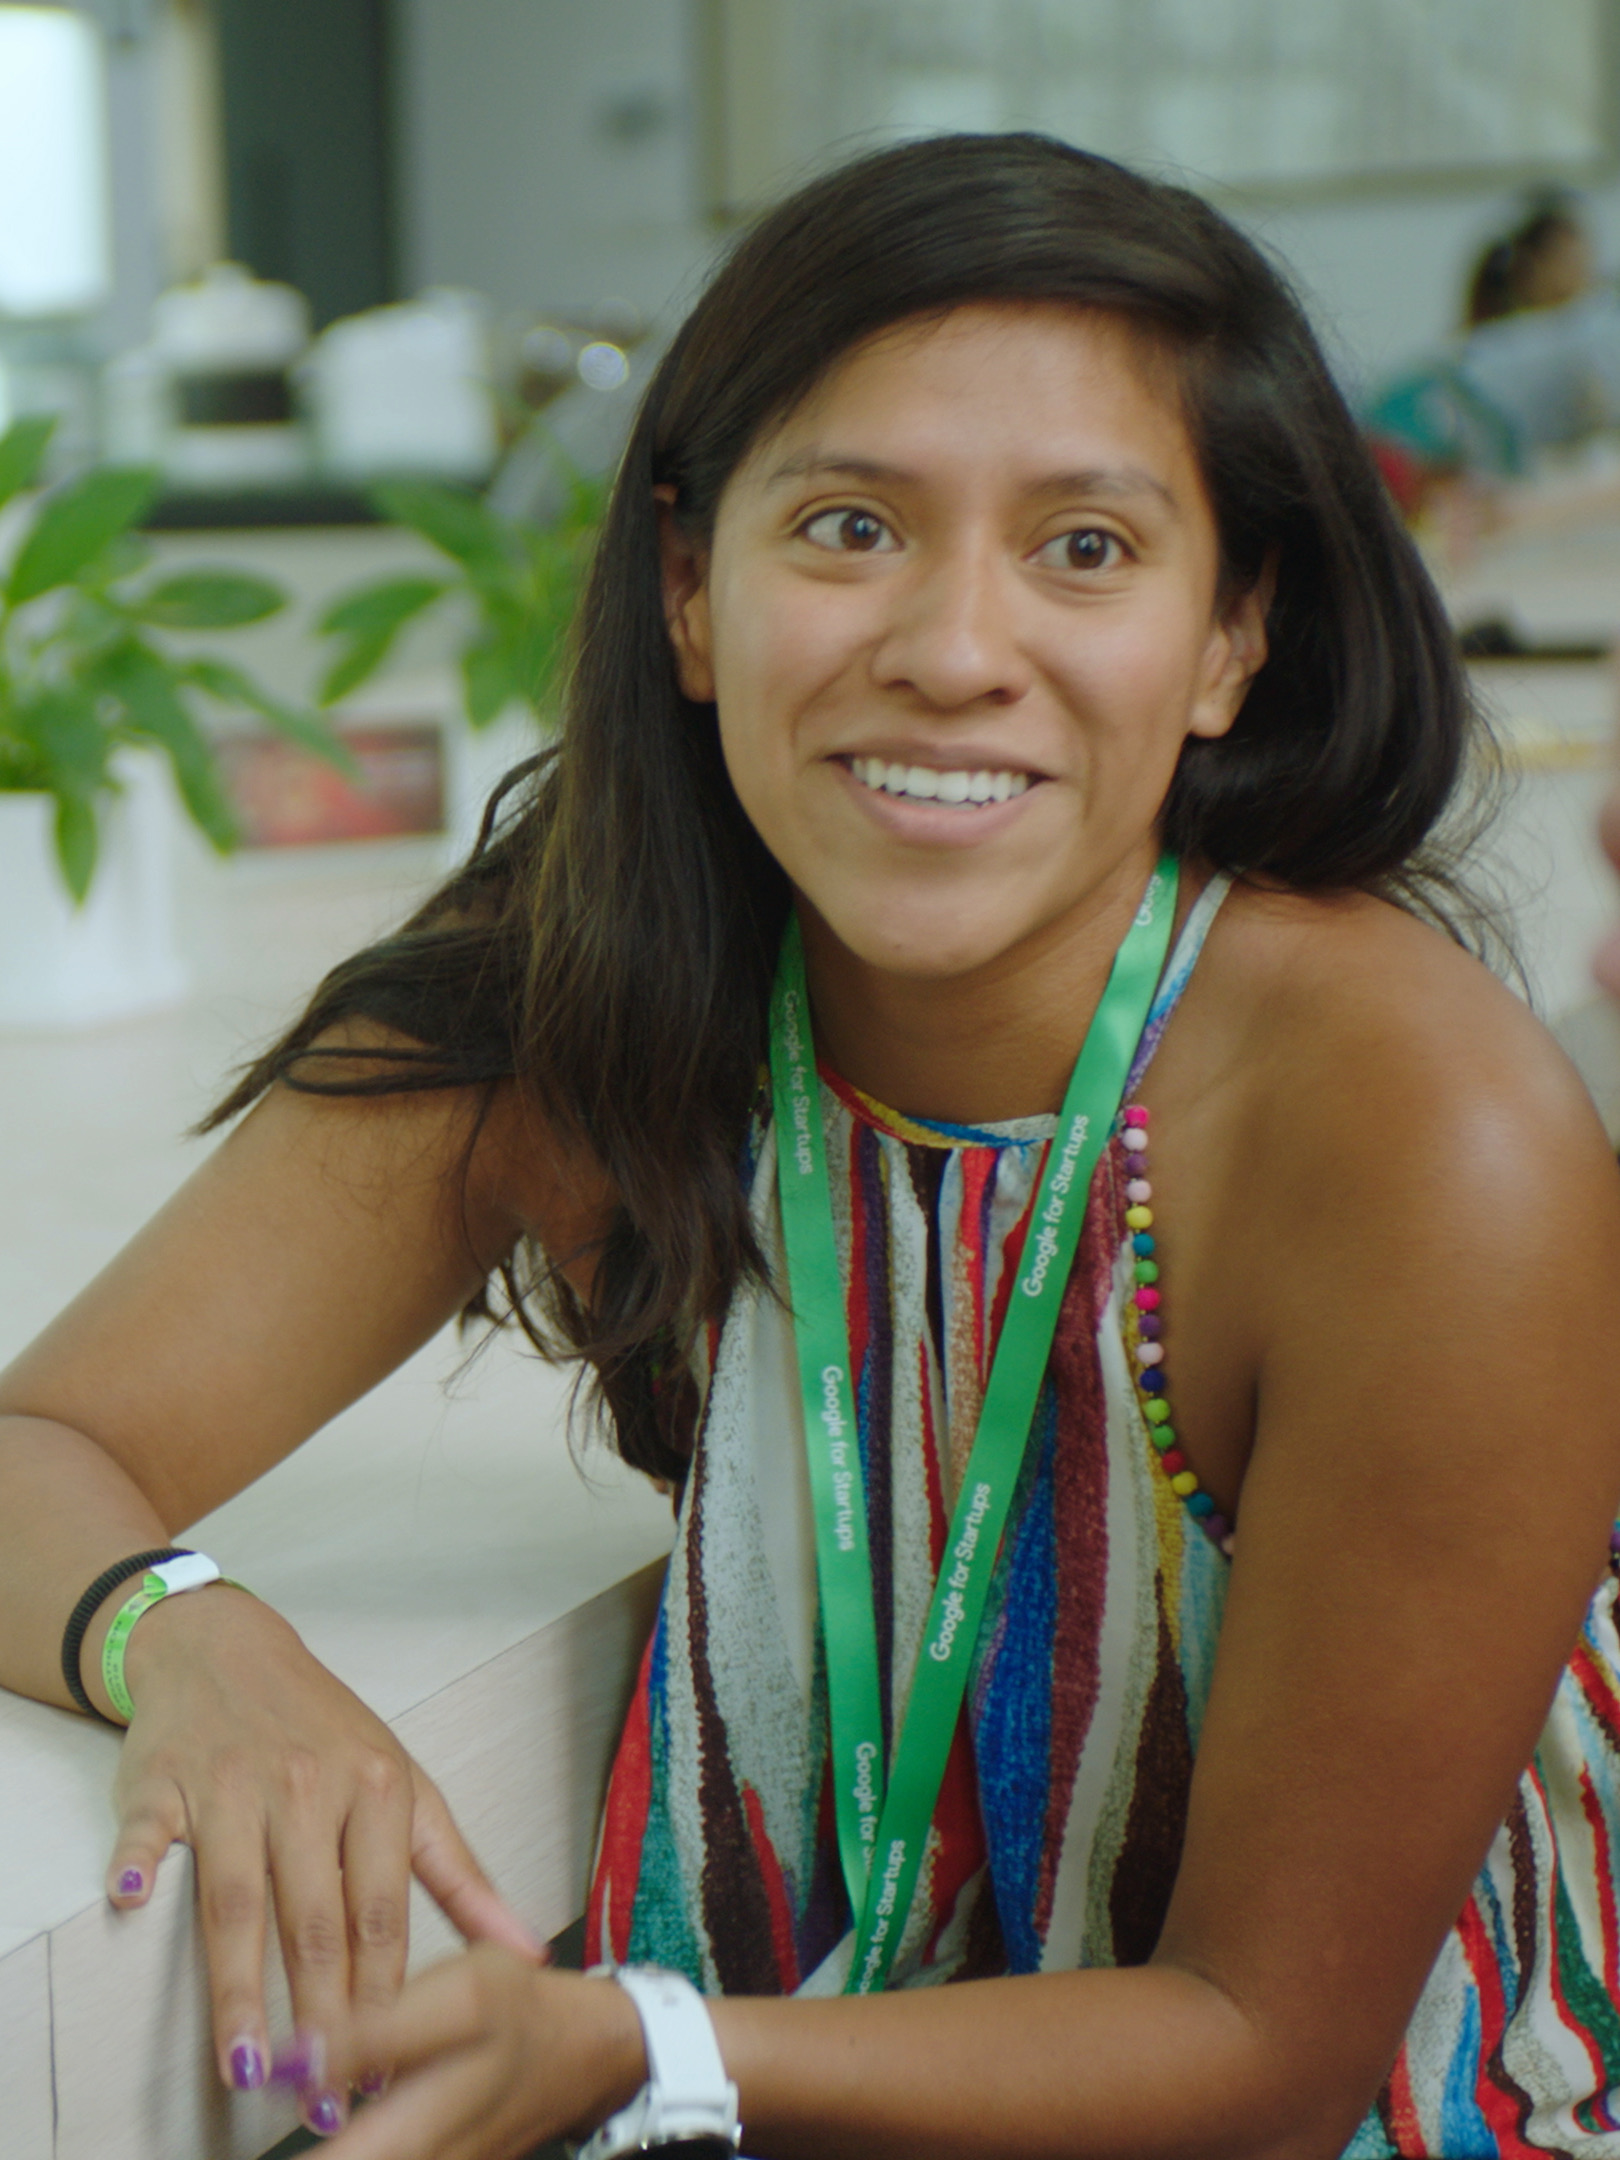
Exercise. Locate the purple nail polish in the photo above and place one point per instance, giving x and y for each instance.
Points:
(374, 2082)
(325, 2116)
(247, 2067)
(131, 1883)
(300, 2063)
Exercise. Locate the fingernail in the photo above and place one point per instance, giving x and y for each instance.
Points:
(325, 2115)
(301, 2063)
(131, 1883)
(247, 2067)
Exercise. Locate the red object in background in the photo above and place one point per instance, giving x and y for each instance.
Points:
(1404, 474)
(284, 797)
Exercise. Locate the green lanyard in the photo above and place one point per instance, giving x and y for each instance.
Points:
(884, 1816)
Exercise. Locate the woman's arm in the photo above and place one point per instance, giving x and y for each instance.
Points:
(316, 1249)
(1429, 1260)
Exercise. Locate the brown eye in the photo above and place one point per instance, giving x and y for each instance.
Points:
(849, 532)
(1090, 549)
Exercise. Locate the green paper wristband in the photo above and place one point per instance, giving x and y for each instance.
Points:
(191, 1571)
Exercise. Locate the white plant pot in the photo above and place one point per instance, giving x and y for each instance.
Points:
(68, 967)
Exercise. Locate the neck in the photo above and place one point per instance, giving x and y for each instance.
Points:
(998, 1042)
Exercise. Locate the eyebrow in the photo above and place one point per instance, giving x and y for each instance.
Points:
(1126, 480)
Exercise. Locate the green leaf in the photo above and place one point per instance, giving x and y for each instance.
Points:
(371, 620)
(231, 687)
(377, 608)
(458, 524)
(207, 600)
(78, 525)
(66, 740)
(360, 658)
(22, 450)
(78, 842)
(489, 682)
(147, 688)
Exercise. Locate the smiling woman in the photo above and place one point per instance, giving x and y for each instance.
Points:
(952, 1039)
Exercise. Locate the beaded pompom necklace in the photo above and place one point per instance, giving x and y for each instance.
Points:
(1148, 1352)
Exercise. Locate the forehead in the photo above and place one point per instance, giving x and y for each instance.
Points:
(996, 382)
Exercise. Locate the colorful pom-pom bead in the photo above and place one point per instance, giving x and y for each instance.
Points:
(1134, 1138)
(1229, 1543)
(1151, 1382)
(1136, 1115)
(1147, 1299)
(1147, 1271)
(1199, 1503)
(1183, 1483)
(1138, 1191)
(1149, 1353)
(1142, 1245)
(1148, 1326)
(1163, 1437)
(1156, 1411)
(1174, 1462)
(1139, 1218)
(1218, 1527)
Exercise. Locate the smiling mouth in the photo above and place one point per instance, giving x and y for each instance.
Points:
(924, 783)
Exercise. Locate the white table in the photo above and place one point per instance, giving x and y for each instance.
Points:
(436, 1545)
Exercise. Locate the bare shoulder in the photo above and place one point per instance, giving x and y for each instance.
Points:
(1378, 1171)
(1363, 1031)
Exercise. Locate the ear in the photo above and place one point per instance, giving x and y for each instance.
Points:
(1235, 655)
(685, 573)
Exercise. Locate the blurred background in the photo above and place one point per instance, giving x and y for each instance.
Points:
(366, 289)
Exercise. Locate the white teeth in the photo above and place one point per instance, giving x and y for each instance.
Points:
(922, 783)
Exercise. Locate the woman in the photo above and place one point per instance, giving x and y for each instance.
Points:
(1000, 644)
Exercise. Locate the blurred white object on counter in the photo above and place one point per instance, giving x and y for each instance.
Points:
(210, 398)
(405, 389)
(63, 966)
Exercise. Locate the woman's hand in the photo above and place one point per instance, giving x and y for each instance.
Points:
(485, 2057)
(248, 1750)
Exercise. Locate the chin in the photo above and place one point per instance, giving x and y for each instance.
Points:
(918, 946)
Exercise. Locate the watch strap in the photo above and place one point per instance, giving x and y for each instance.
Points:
(687, 2101)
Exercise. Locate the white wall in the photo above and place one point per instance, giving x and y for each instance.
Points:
(513, 180)
(547, 150)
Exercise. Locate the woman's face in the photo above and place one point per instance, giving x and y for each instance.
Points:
(958, 617)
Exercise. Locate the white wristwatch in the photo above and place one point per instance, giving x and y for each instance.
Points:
(688, 2106)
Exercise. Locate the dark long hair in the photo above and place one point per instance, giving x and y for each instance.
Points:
(609, 944)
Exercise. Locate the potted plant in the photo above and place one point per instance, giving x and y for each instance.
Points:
(516, 585)
(95, 702)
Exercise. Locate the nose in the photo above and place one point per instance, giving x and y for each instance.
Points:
(952, 636)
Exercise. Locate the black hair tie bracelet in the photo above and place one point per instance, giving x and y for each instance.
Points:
(84, 1612)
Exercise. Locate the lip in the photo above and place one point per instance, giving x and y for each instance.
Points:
(936, 824)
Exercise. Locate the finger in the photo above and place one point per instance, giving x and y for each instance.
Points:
(311, 1918)
(233, 1896)
(153, 1819)
(376, 1881)
(435, 2114)
(444, 2008)
(446, 1868)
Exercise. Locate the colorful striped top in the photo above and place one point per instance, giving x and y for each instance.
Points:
(1058, 1831)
